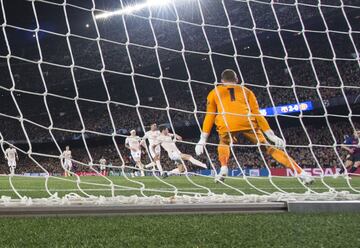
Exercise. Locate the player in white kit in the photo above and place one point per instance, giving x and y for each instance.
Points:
(67, 163)
(167, 142)
(154, 145)
(134, 144)
(102, 163)
(11, 157)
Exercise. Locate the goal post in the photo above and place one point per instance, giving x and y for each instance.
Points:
(87, 79)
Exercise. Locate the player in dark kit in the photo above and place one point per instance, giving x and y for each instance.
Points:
(352, 145)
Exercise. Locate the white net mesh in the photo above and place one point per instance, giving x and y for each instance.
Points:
(84, 73)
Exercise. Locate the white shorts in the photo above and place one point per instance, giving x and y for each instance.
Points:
(102, 167)
(12, 163)
(175, 156)
(155, 151)
(136, 155)
(67, 164)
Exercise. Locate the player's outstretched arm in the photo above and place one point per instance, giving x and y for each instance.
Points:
(207, 124)
(178, 137)
(343, 146)
(62, 156)
(143, 143)
(127, 144)
(262, 122)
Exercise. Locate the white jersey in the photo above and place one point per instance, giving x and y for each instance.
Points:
(169, 145)
(133, 142)
(154, 143)
(152, 136)
(10, 154)
(102, 164)
(67, 154)
(67, 160)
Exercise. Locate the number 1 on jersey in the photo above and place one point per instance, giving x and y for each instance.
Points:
(232, 94)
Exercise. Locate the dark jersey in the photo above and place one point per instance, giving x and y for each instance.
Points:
(353, 144)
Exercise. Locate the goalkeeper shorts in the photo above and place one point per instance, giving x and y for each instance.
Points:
(251, 135)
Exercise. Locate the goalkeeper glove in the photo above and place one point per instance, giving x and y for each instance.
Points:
(275, 139)
(199, 148)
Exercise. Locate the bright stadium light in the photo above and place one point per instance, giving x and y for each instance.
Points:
(133, 8)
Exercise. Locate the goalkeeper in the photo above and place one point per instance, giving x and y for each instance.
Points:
(232, 107)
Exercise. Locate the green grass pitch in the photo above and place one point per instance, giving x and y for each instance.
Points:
(35, 187)
(218, 230)
(227, 230)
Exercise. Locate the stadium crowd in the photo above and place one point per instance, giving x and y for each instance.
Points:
(324, 150)
(68, 114)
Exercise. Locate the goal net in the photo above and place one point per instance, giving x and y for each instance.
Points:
(84, 74)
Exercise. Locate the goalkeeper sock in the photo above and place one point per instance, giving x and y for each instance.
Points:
(353, 169)
(223, 171)
(224, 154)
(197, 162)
(284, 159)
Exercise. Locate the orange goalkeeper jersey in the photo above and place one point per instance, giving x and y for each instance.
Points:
(232, 100)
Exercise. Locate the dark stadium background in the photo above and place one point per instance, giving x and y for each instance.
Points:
(333, 103)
